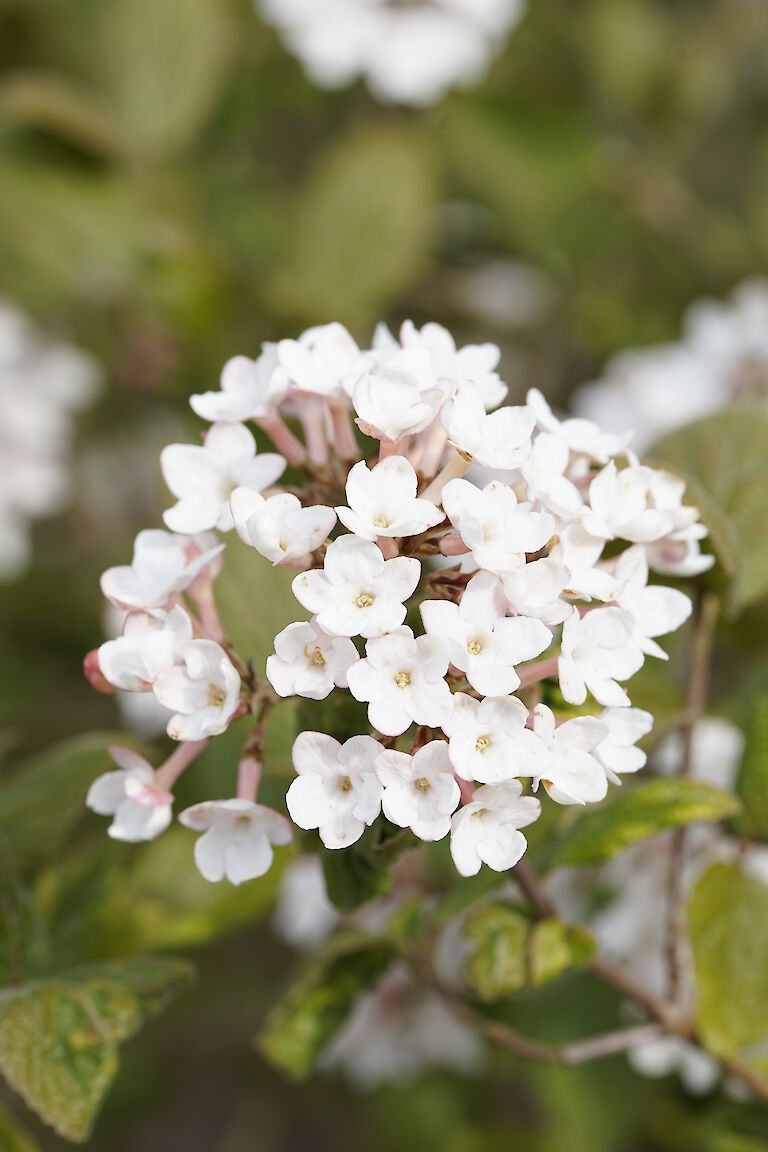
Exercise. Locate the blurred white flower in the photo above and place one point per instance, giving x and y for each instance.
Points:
(250, 390)
(163, 565)
(304, 916)
(42, 386)
(409, 53)
(722, 357)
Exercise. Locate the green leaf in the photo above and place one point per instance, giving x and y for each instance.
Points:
(45, 797)
(301, 1025)
(498, 964)
(510, 953)
(728, 925)
(724, 458)
(752, 784)
(59, 1038)
(360, 231)
(57, 1052)
(352, 878)
(556, 948)
(162, 67)
(637, 812)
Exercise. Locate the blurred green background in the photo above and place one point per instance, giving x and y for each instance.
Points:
(173, 191)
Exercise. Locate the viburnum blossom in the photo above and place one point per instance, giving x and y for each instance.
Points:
(140, 809)
(551, 587)
(409, 53)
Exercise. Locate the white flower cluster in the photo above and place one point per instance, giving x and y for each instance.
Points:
(721, 358)
(409, 53)
(535, 595)
(41, 385)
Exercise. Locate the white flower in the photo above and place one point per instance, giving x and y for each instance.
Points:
(308, 662)
(140, 810)
(489, 741)
(383, 501)
(571, 773)
(678, 555)
(485, 831)
(163, 565)
(401, 678)
(492, 524)
(500, 439)
(203, 690)
(698, 1071)
(319, 360)
(337, 790)
(616, 751)
(581, 436)
(598, 649)
(278, 527)
(580, 553)
(656, 610)
(544, 473)
(420, 791)
(535, 590)
(151, 643)
(250, 390)
(620, 506)
(483, 642)
(398, 397)
(304, 916)
(237, 838)
(454, 367)
(204, 477)
(410, 54)
(358, 592)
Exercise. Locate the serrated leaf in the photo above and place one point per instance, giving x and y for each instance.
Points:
(304, 1021)
(360, 231)
(637, 812)
(509, 953)
(728, 926)
(45, 797)
(725, 460)
(57, 1053)
(162, 67)
(752, 784)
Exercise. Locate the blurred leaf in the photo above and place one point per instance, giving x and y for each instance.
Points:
(303, 1022)
(360, 233)
(352, 878)
(61, 106)
(637, 812)
(511, 953)
(163, 67)
(56, 1051)
(44, 799)
(555, 948)
(724, 458)
(752, 783)
(58, 1039)
(728, 925)
(161, 901)
(497, 966)
(153, 980)
(245, 587)
(13, 1138)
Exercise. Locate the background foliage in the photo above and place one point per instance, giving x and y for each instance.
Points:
(173, 191)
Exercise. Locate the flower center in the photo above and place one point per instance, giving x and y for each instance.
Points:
(217, 697)
(474, 647)
(403, 679)
(422, 784)
(345, 784)
(381, 522)
(365, 600)
(315, 655)
(482, 744)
